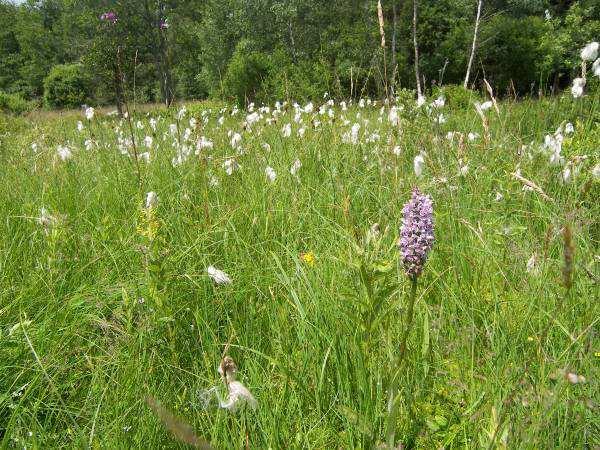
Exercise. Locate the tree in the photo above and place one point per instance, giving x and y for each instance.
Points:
(466, 83)
(394, 56)
(156, 28)
(414, 33)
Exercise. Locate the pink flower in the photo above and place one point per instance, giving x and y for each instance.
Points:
(416, 233)
(109, 16)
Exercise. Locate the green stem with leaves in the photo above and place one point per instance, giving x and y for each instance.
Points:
(398, 363)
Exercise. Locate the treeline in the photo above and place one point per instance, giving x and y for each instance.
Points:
(69, 52)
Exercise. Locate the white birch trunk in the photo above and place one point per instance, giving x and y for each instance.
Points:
(474, 46)
(417, 75)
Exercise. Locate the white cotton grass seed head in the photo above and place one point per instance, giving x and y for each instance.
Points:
(89, 113)
(439, 102)
(569, 128)
(238, 394)
(252, 118)
(218, 276)
(354, 133)
(530, 266)
(295, 167)
(590, 51)
(151, 200)
(486, 105)
(270, 173)
(596, 67)
(578, 87)
(393, 116)
(45, 219)
(64, 153)
(574, 378)
(566, 174)
(472, 136)
(203, 143)
(418, 164)
(230, 165)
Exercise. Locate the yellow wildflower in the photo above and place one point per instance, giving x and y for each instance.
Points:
(148, 224)
(308, 258)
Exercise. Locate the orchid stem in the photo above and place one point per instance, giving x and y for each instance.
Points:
(393, 397)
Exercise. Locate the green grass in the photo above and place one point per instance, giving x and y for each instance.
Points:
(95, 316)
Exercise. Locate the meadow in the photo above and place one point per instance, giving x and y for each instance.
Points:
(136, 253)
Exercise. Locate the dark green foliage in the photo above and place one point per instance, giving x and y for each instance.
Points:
(67, 86)
(304, 80)
(14, 103)
(445, 30)
(299, 48)
(511, 53)
(245, 73)
(564, 38)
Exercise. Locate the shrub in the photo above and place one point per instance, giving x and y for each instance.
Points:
(457, 96)
(14, 103)
(510, 53)
(301, 81)
(406, 97)
(67, 86)
(245, 73)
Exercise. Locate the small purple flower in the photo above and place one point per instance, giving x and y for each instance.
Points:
(163, 24)
(416, 233)
(109, 16)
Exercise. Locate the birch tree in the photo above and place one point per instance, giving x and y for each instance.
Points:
(474, 46)
(394, 63)
(414, 32)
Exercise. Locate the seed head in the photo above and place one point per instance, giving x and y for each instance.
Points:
(228, 368)
(568, 254)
